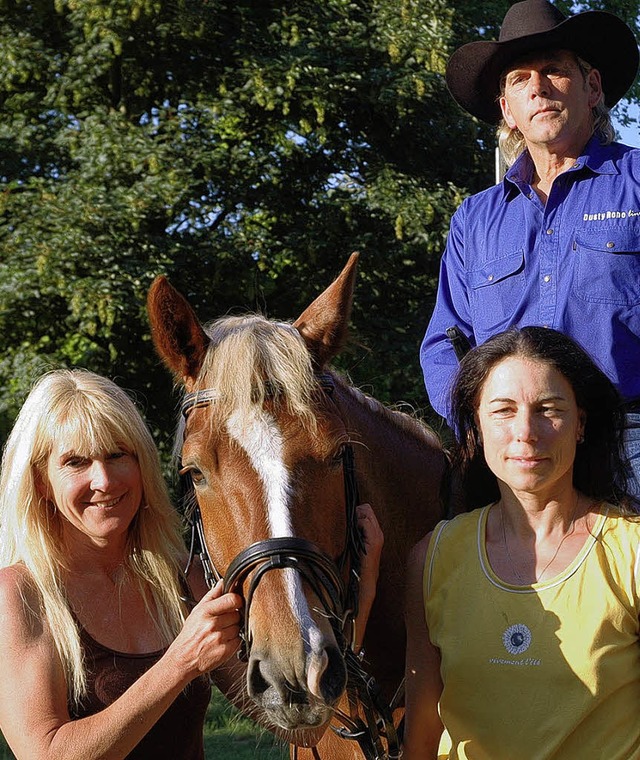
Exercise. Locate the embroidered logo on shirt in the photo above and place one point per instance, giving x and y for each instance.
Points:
(517, 638)
(602, 216)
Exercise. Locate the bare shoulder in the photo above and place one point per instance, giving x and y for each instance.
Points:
(21, 613)
(414, 597)
(15, 576)
(418, 553)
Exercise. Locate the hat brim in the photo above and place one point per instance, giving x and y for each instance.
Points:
(600, 38)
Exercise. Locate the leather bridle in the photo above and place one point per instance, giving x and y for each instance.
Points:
(325, 577)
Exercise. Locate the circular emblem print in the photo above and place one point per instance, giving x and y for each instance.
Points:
(517, 638)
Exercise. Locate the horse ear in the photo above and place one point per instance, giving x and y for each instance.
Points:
(323, 324)
(176, 331)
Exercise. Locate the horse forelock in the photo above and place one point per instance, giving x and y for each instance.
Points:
(250, 360)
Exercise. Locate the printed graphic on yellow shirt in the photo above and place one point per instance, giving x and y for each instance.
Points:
(517, 638)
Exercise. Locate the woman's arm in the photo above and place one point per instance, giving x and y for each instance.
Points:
(33, 693)
(423, 684)
(369, 568)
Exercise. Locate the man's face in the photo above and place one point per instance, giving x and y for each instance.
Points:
(547, 97)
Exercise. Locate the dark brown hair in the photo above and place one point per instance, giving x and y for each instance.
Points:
(600, 468)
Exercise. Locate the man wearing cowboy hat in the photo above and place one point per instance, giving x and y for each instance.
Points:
(557, 242)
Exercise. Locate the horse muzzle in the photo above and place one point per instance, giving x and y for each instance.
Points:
(297, 703)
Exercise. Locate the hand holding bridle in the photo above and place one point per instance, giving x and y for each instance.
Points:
(210, 634)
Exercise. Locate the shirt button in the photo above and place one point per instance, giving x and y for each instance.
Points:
(611, 244)
(547, 278)
(549, 231)
(490, 277)
(576, 166)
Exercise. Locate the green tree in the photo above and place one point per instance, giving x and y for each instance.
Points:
(242, 148)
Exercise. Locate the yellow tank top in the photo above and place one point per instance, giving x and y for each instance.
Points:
(543, 672)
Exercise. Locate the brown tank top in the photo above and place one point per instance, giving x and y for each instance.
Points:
(177, 735)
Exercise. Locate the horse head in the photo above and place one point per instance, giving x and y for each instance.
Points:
(263, 443)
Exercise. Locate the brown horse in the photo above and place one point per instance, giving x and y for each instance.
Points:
(266, 425)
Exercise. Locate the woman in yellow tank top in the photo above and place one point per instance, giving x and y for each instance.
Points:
(523, 614)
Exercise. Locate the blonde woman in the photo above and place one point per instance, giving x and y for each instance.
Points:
(98, 654)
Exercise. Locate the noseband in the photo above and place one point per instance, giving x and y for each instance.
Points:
(325, 577)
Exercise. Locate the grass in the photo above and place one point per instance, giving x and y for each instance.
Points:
(227, 736)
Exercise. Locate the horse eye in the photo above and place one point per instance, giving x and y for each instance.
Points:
(196, 475)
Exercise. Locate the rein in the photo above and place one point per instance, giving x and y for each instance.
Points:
(325, 577)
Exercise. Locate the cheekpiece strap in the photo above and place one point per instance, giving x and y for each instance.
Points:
(326, 382)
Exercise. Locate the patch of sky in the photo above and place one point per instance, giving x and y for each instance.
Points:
(629, 135)
(195, 219)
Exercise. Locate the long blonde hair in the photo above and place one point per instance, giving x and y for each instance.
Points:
(93, 415)
(511, 142)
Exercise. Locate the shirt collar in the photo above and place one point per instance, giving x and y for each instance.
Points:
(518, 176)
(595, 156)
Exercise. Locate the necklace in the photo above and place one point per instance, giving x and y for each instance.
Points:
(572, 526)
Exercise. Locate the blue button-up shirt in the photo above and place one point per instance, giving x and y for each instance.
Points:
(572, 264)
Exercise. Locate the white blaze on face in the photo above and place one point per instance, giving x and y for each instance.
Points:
(262, 441)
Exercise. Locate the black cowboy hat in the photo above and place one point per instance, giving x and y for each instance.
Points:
(600, 38)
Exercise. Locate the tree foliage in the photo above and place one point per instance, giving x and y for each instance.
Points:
(242, 148)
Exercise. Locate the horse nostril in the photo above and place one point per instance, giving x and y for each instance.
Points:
(257, 684)
(267, 684)
(334, 679)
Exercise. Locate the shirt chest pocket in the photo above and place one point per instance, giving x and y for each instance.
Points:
(496, 288)
(607, 265)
